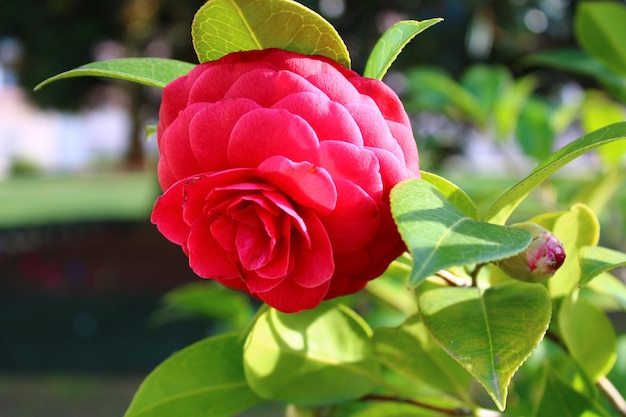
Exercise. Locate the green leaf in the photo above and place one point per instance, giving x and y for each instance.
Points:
(579, 62)
(209, 300)
(599, 111)
(153, 72)
(500, 211)
(440, 236)
(453, 193)
(316, 357)
(391, 43)
(489, 333)
(509, 105)
(600, 28)
(486, 84)
(224, 26)
(575, 228)
(384, 409)
(204, 379)
(560, 399)
(432, 88)
(410, 350)
(589, 336)
(608, 285)
(534, 130)
(595, 260)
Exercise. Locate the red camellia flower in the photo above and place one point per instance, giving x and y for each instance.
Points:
(276, 169)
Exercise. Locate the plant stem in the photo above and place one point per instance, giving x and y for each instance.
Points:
(607, 388)
(452, 279)
(448, 411)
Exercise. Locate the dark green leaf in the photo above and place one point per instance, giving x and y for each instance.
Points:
(209, 300)
(560, 399)
(204, 379)
(439, 236)
(489, 332)
(316, 357)
(600, 28)
(153, 72)
(410, 350)
(391, 43)
(224, 26)
(507, 202)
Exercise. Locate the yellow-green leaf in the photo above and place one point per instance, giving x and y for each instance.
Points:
(221, 27)
(595, 260)
(491, 332)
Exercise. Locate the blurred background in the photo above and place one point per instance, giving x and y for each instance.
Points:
(83, 272)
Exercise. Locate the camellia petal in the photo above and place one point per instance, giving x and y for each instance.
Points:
(210, 131)
(167, 214)
(344, 160)
(314, 261)
(207, 258)
(317, 110)
(266, 86)
(289, 297)
(263, 133)
(305, 183)
(175, 145)
(354, 221)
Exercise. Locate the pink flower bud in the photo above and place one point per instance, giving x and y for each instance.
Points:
(543, 257)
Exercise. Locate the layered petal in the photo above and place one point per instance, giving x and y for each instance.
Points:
(263, 133)
(303, 182)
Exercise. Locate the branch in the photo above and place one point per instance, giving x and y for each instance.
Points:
(448, 411)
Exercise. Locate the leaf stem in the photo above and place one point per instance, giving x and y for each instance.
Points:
(452, 279)
(448, 411)
(474, 274)
(605, 386)
(611, 393)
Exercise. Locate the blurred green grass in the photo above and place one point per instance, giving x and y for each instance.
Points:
(112, 196)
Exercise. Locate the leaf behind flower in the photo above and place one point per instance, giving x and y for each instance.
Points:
(391, 43)
(221, 27)
(153, 72)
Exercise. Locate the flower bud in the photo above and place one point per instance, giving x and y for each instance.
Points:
(543, 257)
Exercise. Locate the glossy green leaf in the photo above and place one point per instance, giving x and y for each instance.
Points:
(224, 26)
(559, 399)
(204, 379)
(153, 72)
(391, 43)
(579, 62)
(589, 336)
(600, 28)
(316, 357)
(575, 228)
(595, 260)
(489, 332)
(440, 236)
(410, 350)
(208, 300)
(500, 211)
(453, 193)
